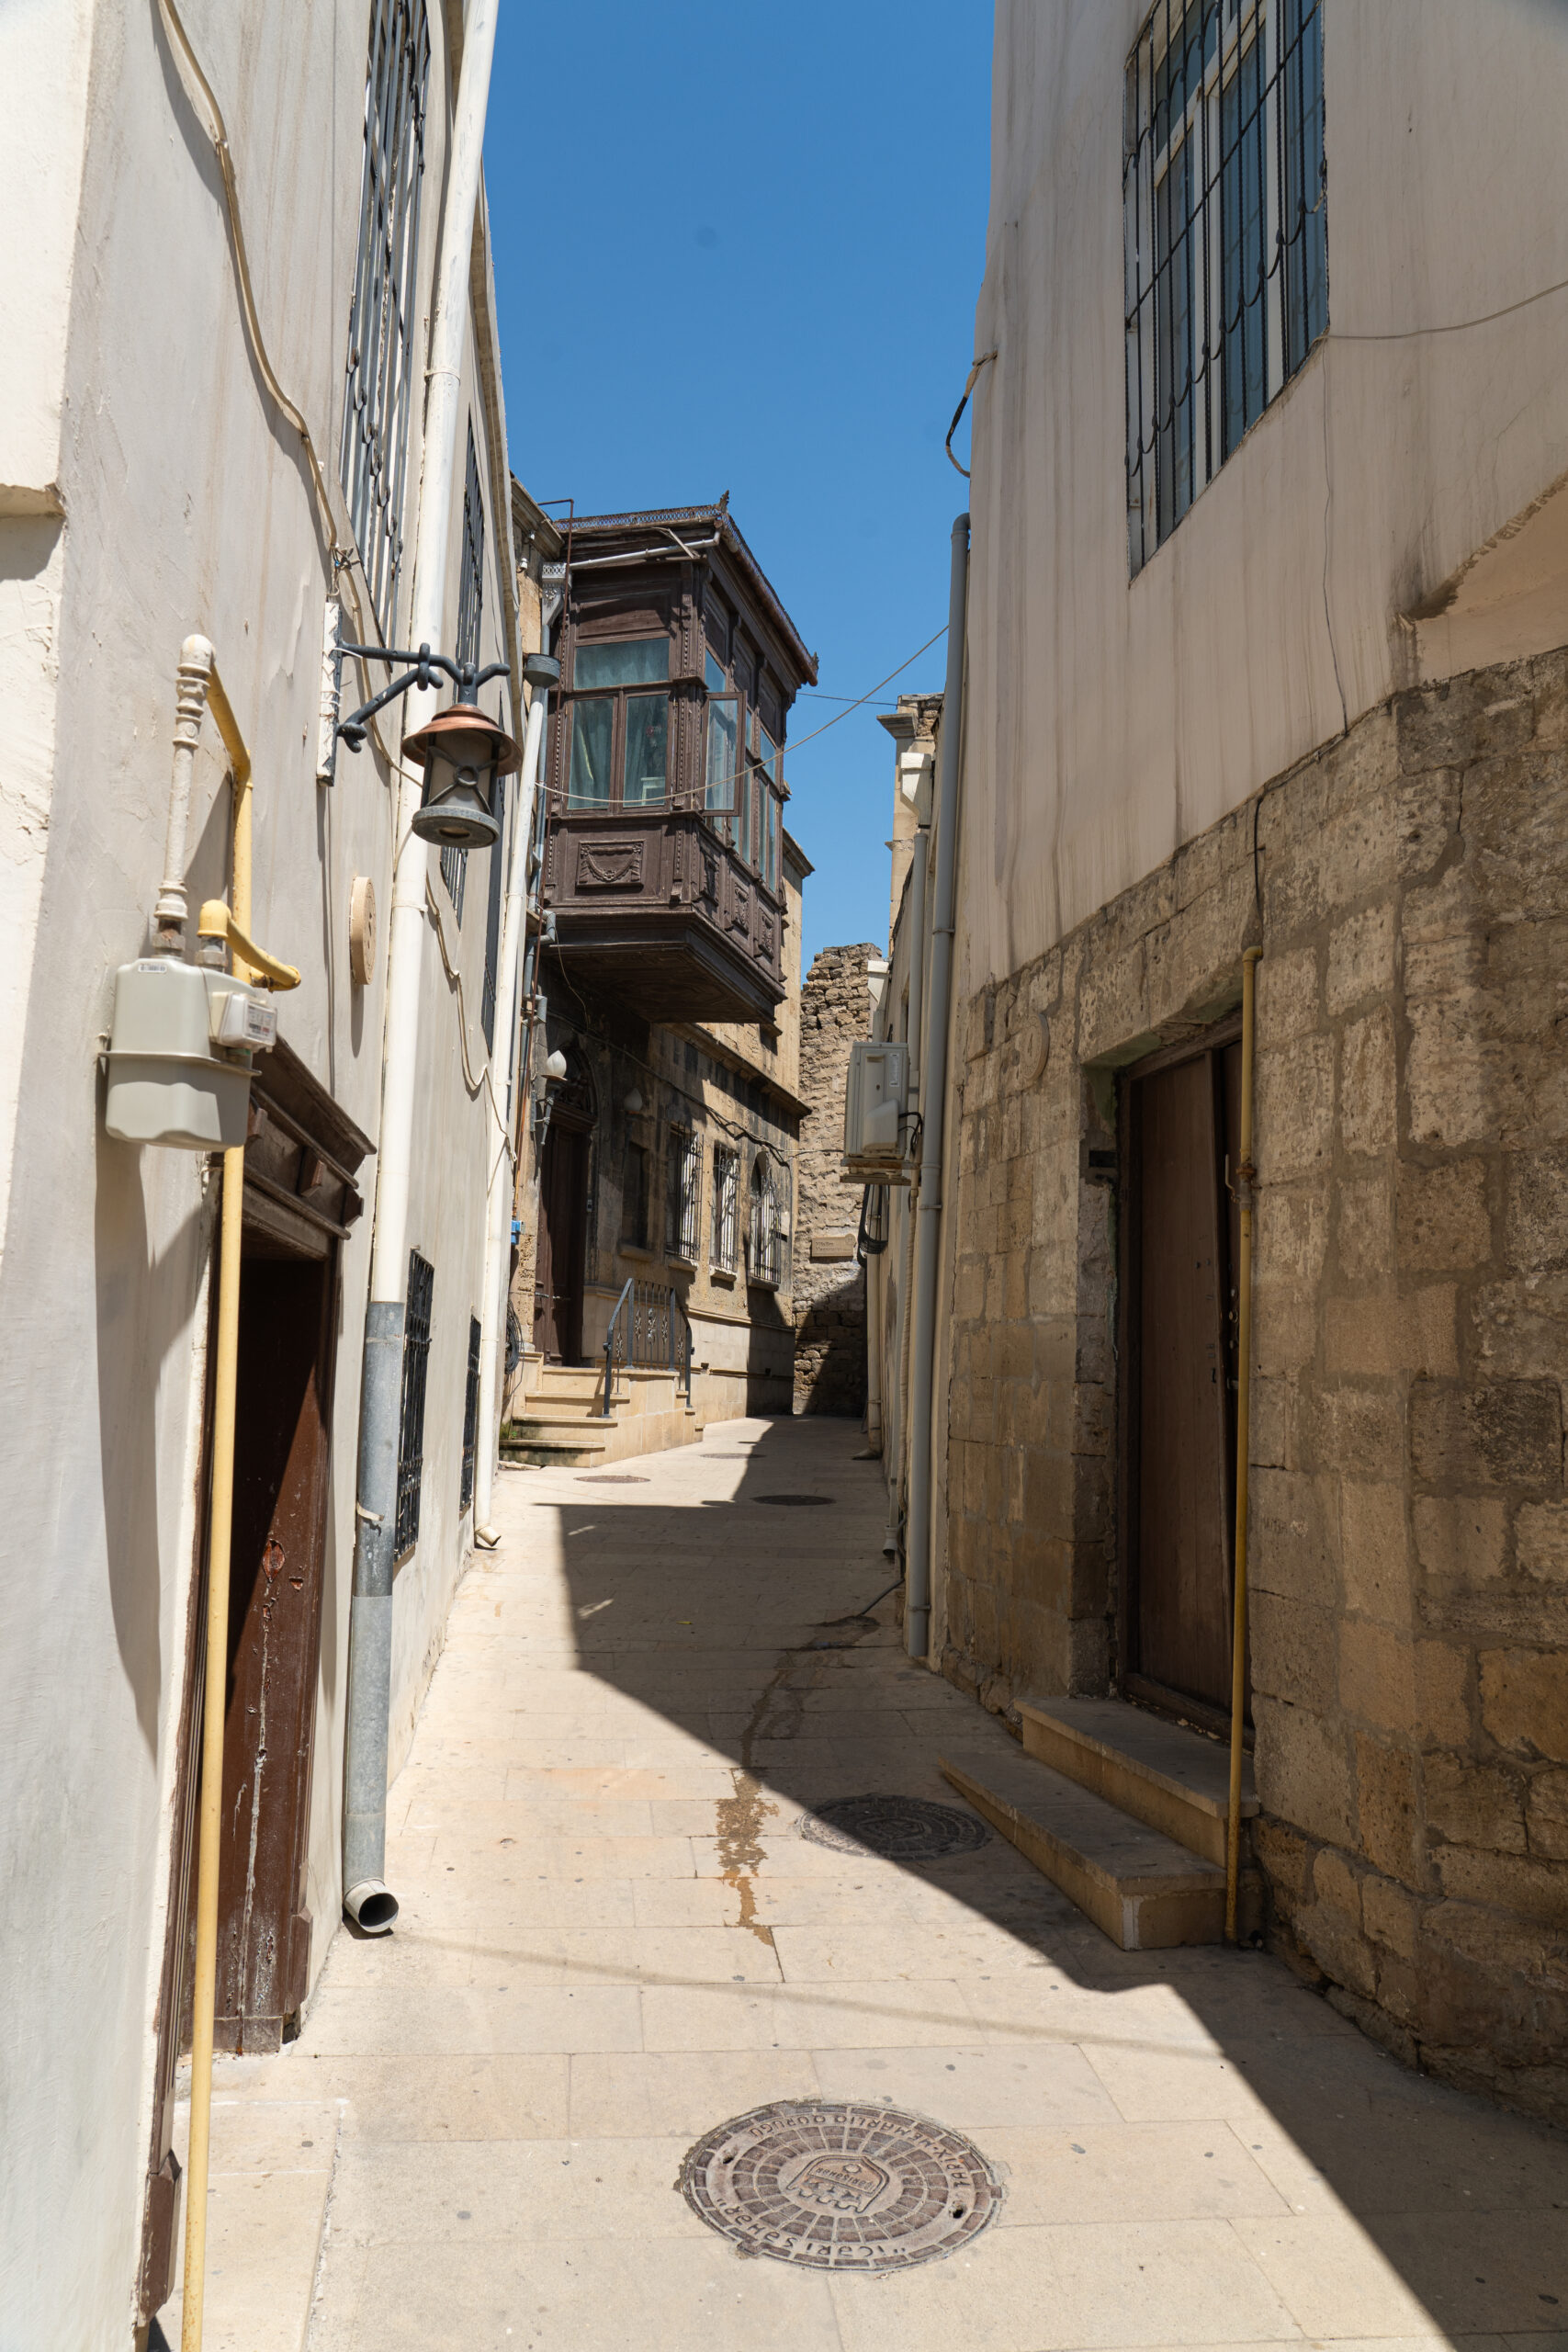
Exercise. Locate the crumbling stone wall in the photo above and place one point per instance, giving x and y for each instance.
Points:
(1409, 1530)
(829, 1286)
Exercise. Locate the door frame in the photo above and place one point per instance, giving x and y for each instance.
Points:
(1129, 1681)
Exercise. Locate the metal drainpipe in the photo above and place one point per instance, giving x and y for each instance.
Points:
(367, 1901)
(1245, 1177)
(934, 1017)
(542, 673)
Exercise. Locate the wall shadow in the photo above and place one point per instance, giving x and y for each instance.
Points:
(741, 1643)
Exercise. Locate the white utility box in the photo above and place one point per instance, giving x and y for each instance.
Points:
(876, 1095)
(180, 1054)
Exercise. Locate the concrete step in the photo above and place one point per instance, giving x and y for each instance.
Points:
(552, 1441)
(1140, 1888)
(1171, 1778)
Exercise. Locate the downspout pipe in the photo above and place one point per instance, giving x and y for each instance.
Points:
(367, 1901)
(934, 1014)
(541, 673)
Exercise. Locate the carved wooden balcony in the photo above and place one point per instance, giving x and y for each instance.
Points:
(655, 906)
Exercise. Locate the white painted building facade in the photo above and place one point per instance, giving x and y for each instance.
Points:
(192, 231)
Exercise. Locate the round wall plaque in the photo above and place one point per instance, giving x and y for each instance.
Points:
(362, 928)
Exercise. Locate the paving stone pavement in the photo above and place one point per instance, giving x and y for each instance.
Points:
(613, 1938)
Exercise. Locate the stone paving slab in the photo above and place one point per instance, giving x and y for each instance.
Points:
(614, 1937)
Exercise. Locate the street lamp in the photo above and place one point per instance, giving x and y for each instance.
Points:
(462, 750)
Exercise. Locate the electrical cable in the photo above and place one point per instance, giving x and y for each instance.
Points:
(984, 360)
(341, 555)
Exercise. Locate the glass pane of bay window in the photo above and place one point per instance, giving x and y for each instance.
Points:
(648, 718)
(592, 733)
(723, 747)
(641, 662)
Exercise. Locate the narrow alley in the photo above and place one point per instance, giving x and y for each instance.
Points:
(615, 1940)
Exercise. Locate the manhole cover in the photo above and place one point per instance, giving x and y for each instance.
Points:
(837, 2186)
(901, 1829)
(611, 1478)
(791, 1501)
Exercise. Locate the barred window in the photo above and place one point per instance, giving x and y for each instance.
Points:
(1225, 237)
(725, 1208)
(682, 1195)
(764, 1256)
(373, 460)
(470, 612)
(470, 1416)
(411, 1427)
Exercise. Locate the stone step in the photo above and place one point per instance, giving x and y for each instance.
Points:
(1140, 1888)
(529, 1423)
(552, 1452)
(1171, 1778)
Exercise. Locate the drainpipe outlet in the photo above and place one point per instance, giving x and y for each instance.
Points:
(371, 1906)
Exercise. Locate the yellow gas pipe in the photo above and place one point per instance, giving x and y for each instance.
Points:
(254, 965)
(1244, 1175)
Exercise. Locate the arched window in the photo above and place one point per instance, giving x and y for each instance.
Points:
(764, 1254)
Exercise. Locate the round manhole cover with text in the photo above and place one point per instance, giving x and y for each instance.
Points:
(900, 1829)
(839, 2185)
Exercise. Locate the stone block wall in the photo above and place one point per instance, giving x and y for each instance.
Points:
(829, 1284)
(1409, 1529)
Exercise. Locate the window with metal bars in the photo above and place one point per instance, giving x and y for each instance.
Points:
(682, 1195)
(470, 1416)
(1225, 237)
(410, 1428)
(471, 613)
(373, 460)
(725, 1208)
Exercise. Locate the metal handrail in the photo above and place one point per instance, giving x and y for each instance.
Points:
(650, 1327)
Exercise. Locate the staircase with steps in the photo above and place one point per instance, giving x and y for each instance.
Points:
(1126, 1813)
(564, 1425)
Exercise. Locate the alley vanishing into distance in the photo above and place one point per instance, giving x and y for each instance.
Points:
(613, 1938)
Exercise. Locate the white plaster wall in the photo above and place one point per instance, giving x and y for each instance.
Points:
(1111, 720)
(187, 506)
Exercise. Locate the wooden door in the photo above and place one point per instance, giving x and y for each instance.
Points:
(275, 1605)
(1179, 1392)
(557, 1281)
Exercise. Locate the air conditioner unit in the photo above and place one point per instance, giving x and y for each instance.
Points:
(876, 1116)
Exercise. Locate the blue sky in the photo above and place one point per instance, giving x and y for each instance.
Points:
(738, 249)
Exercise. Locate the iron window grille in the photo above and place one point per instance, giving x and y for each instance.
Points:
(725, 1208)
(1225, 238)
(682, 1195)
(634, 1197)
(471, 613)
(410, 1428)
(470, 1416)
(373, 460)
(764, 1252)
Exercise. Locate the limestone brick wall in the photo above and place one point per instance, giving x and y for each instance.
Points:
(1409, 1529)
(829, 1286)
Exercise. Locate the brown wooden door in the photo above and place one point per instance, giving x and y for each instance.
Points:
(1181, 1389)
(557, 1281)
(275, 1604)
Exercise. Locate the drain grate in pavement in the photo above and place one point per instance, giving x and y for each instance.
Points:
(611, 1478)
(836, 2185)
(900, 1829)
(790, 1501)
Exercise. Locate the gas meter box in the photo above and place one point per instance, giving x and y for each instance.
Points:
(180, 1054)
(876, 1095)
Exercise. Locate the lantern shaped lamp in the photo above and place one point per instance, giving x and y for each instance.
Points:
(462, 752)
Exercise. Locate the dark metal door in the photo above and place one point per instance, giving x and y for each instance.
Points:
(557, 1293)
(1180, 1393)
(280, 1511)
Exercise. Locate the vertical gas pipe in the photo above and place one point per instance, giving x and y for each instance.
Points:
(1246, 1175)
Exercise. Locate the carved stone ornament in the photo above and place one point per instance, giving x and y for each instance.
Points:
(609, 865)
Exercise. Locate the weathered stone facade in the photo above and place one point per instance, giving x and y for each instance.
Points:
(830, 1285)
(1409, 1527)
